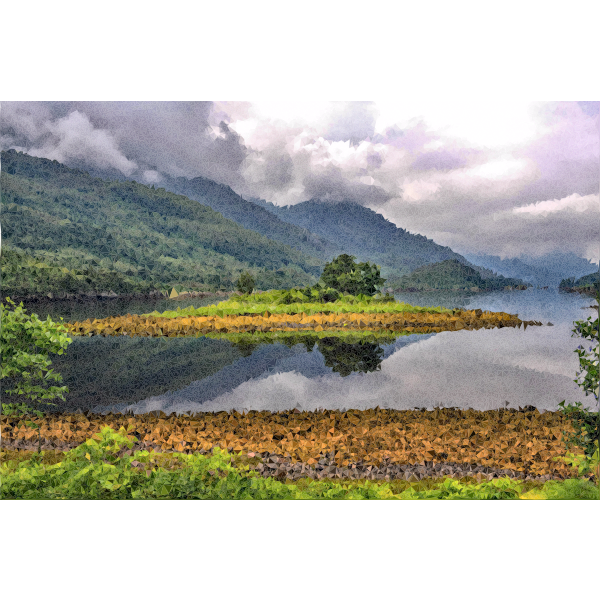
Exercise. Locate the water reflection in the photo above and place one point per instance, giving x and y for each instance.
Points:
(484, 369)
(72, 310)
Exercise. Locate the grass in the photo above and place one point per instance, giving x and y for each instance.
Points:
(281, 302)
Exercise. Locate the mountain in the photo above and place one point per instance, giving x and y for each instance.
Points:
(362, 232)
(513, 267)
(155, 238)
(566, 264)
(453, 275)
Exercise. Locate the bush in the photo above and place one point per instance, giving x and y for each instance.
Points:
(585, 422)
(25, 343)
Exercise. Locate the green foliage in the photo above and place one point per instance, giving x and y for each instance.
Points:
(145, 236)
(344, 275)
(585, 422)
(24, 274)
(571, 489)
(585, 464)
(105, 468)
(245, 283)
(25, 344)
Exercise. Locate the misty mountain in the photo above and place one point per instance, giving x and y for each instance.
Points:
(513, 267)
(566, 264)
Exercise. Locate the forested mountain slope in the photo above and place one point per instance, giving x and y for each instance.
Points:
(151, 236)
(365, 234)
(252, 216)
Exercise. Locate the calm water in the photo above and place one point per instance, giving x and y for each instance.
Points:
(485, 369)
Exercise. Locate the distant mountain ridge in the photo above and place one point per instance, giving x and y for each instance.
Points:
(454, 275)
(514, 267)
(566, 264)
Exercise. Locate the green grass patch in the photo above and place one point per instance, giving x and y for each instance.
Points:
(295, 302)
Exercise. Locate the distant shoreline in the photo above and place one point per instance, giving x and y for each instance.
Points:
(89, 296)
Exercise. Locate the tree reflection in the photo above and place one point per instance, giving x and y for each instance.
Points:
(246, 348)
(344, 358)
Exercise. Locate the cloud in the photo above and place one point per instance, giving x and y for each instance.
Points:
(71, 138)
(461, 173)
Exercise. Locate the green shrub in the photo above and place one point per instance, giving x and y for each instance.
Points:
(25, 343)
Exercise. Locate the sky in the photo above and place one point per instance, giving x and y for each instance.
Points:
(510, 179)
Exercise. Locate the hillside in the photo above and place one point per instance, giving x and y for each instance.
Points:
(250, 215)
(152, 237)
(365, 234)
(247, 213)
(453, 275)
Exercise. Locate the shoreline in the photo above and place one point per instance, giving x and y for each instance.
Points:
(94, 296)
(91, 296)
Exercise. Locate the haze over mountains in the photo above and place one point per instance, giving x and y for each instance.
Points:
(544, 270)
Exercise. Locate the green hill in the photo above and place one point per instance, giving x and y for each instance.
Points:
(453, 275)
(146, 237)
(362, 232)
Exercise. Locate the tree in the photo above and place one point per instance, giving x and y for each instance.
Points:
(344, 275)
(245, 283)
(25, 343)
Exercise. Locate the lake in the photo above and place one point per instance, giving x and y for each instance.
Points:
(485, 369)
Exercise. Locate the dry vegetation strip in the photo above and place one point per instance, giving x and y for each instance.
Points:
(505, 439)
(182, 326)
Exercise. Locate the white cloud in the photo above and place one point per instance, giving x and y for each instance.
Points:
(590, 203)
